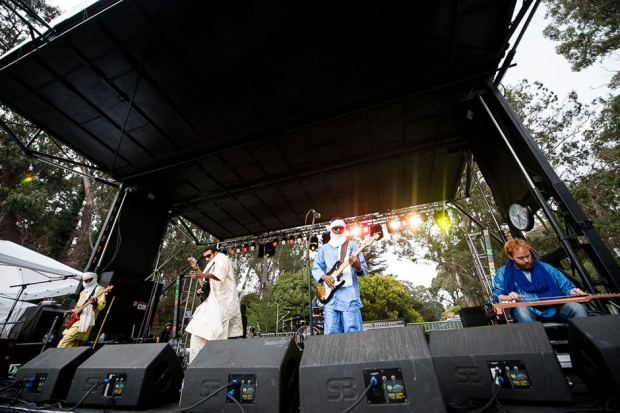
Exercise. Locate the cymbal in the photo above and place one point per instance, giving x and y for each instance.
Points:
(288, 308)
(301, 315)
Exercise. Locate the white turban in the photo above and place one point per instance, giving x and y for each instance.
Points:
(336, 240)
(337, 223)
(89, 275)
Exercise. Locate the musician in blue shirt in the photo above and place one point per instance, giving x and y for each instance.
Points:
(343, 311)
(524, 278)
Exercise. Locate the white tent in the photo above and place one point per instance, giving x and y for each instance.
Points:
(26, 275)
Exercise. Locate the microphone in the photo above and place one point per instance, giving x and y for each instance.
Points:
(316, 214)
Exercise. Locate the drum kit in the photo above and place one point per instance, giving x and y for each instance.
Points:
(300, 320)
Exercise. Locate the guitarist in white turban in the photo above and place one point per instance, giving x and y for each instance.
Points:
(92, 294)
(343, 312)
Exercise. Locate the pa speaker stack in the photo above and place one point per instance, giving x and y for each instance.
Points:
(48, 376)
(261, 374)
(394, 364)
(594, 346)
(467, 360)
(128, 375)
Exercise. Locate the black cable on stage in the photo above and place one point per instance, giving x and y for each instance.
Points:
(105, 381)
(592, 410)
(502, 406)
(203, 400)
(373, 382)
(236, 402)
(458, 404)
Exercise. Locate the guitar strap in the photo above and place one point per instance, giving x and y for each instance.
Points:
(343, 250)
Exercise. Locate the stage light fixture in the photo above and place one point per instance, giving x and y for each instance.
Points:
(246, 247)
(393, 225)
(299, 238)
(403, 222)
(270, 249)
(232, 251)
(355, 230)
(366, 229)
(275, 243)
(442, 219)
(414, 220)
(291, 240)
(377, 229)
(252, 246)
(238, 249)
(325, 237)
(314, 243)
(284, 241)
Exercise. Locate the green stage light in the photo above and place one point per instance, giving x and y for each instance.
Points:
(442, 219)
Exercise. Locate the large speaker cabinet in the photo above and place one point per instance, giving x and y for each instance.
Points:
(467, 359)
(336, 369)
(261, 374)
(594, 346)
(128, 375)
(51, 372)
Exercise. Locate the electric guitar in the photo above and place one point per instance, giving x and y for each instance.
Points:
(205, 287)
(325, 293)
(553, 301)
(75, 315)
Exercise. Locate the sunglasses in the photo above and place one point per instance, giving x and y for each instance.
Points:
(208, 255)
(338, 229)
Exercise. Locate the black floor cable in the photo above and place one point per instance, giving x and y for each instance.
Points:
(373, 382)
(203, 400)
(236, 402)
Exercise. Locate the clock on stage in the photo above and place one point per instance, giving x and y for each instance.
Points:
(521, 217)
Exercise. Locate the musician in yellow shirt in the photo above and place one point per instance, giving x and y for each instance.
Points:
(524, 278)
(92, 294)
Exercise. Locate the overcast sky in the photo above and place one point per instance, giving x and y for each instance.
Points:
(536, 60)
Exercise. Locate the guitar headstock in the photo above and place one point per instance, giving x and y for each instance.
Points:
(192, 263)
(107, 289)
(368, 241)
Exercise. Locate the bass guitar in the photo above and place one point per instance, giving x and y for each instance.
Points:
(75, 315)
(325, 293)
(205, 286)
(554, 301)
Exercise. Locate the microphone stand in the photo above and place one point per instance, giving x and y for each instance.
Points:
(21, 291)
(310, 270)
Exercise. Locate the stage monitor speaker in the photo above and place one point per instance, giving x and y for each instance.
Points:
(336, 369)
(260, 373)
(473, 316)
(467, 359)
(594, 347)
(138, 376)
(49, 374)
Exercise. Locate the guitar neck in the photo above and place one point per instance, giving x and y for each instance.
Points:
(338, 273)
(562, 300)
(83, 306)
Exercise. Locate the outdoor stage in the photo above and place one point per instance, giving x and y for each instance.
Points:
(399, 369)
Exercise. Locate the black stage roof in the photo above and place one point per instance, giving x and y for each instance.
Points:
(244, 115)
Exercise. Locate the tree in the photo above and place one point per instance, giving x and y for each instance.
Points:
(13, 30)
(384, 297)
(586, 29)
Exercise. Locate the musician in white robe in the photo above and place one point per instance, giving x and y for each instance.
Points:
(524, 278)
(219, 316)
(80, 330)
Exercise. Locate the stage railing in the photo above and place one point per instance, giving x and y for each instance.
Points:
(439, 325)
